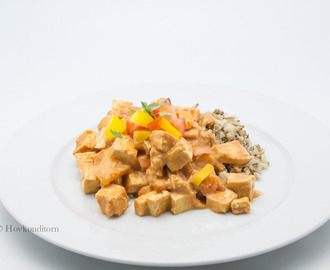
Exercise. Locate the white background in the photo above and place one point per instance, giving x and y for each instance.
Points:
(53, 51)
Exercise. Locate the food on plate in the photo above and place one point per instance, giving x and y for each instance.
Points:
(169, 158)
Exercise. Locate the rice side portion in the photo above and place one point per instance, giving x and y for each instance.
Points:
(229, 128)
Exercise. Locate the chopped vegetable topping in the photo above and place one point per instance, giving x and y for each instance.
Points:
(132, 112)
(167, 126)
(154, 125)
(164, 113)
(146, 109)
(188, 118)
(141, 136)
(115, 133)
(152, 107)
(116, 126)
(141, 118)
(131, 127)
(205, 172)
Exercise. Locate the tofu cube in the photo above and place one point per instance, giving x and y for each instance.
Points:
(179, 155)
(112, 200)
(178, 184)
(220, 201)
(84, 159)
(123, 150)
(100, 141)
(159, 203)
(181, 202)
(232, 153)
(241, 184)
(162, 140)
(240, 206)
(85, 142)
(140, 204)
(147, 147)
(186, 114)
(89, 182)
(97, 158)
(134, 182)
(192, 133)
(110, 169)
(206, 119)
(121, 108)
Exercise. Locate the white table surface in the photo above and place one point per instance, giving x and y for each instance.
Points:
(53, 51)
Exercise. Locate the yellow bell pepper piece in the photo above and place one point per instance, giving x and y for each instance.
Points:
(141, 135)
(205, 172)
(167, 126)
(116, 124)
(141, 118)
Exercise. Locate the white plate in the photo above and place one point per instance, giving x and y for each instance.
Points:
(40, 183)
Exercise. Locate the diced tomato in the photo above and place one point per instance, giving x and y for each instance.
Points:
(154, 125)
(180, 125)
(131, 127)
(167, 108)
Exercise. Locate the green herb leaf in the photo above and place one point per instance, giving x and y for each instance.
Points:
(115, 133)
(146, 108)
(132, 112)
(164, 113)
(155, 106)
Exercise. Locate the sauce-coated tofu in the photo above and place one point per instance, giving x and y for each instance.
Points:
(152, 203)
(162, 141)
(181, 202)
(179, 155)
(232, 153)
(89, 182)
(110, 169)
(206, 119)
(241, 184)
(85, 142)
(240, 206)
(123, 150)
(100, 141)
(219, 202)
(84, 159)
(97, 158)
(112, 200)
(134, 182)
(140, 204)
(90, 140)
(178, 184)
(121, 108)
(159, 203)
